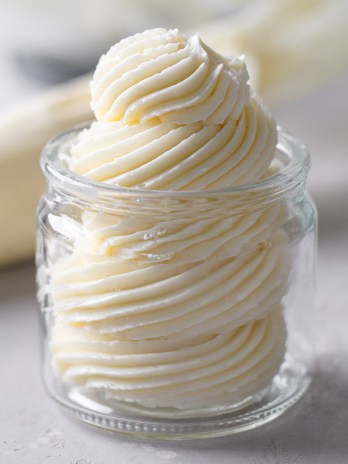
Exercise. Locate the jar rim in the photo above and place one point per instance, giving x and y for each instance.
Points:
(293, 174)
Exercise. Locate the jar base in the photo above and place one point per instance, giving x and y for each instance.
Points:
(287, 388)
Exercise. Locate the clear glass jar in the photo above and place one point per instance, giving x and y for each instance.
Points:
(176, 315)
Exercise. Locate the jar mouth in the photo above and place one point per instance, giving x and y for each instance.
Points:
(291, 153)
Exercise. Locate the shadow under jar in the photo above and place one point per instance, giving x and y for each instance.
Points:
(176, 315)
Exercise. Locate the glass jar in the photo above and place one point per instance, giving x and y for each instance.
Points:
(176, 315)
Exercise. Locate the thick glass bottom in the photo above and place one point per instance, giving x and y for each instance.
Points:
(287, 388)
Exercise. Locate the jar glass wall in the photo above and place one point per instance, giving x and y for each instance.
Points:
(176, 315)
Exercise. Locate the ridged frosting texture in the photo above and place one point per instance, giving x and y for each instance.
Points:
(141, 300)
(173, 115)
(154, 332)
(166, 75)
(167, 156)
(199, 372)
(166, 307)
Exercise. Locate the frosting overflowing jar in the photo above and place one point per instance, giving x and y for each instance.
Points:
(176, 249)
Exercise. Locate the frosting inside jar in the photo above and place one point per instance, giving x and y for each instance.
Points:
(173, 310)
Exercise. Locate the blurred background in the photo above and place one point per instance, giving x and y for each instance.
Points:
(296, 52)
(297, 55)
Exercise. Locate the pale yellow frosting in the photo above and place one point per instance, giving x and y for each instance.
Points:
(203, 371)
(173, 310)
(164, 74)
(166, 156)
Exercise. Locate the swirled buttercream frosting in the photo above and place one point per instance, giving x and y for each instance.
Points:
(173, 307)
(166, 75)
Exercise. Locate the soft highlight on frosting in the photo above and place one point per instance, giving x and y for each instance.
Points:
(139, 300)
(166, 75)
(202, 372)
(165, 156)
(181, 309)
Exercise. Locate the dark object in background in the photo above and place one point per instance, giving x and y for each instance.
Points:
(49, 69)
